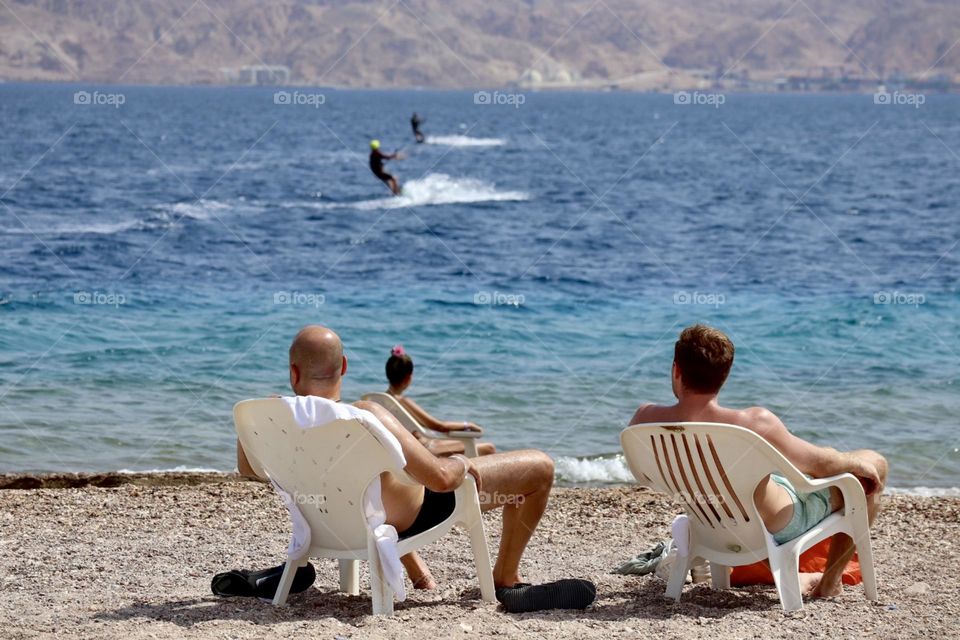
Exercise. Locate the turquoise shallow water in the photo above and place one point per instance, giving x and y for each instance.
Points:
(157, 259)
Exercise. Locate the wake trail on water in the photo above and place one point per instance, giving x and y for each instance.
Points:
(432, 189)
(465, 141)
(158, 217)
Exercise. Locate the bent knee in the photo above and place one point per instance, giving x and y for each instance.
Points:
(882, 467)
(878, 461)
(543, 465)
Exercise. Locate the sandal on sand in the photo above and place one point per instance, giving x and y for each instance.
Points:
(260, 584)
(562, 594)
(231, 583)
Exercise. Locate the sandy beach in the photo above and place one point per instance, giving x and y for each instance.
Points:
(135, 560)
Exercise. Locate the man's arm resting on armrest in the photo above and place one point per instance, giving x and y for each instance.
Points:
(816, 461)
(428, 421)
(437, 474)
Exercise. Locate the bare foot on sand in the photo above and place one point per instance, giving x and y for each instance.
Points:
(809, 583)
(418, 572)
(827, 590)
(425, 582)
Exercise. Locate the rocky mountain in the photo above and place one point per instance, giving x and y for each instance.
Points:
(642, 44)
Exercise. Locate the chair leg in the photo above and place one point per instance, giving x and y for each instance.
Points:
(481, 557)
(785, 567)
(380, 591)
(286, 581)
(861, 537)
(720, 575)
(350, 577)
(470, 447)
(678, 575)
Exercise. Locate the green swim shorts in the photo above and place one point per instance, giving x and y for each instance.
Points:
(809, 510)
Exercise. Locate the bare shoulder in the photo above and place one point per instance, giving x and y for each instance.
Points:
(759, 419)
(648, 412)
(382, 414)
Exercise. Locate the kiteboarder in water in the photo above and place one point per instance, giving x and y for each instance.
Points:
(415, 122)
(376, 165)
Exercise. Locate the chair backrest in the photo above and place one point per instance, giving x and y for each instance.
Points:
(399, 411)
(325, 469)
(712, 470)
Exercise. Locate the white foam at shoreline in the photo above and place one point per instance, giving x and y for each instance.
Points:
(180, 469)
(926, 492)
(605, 470)
(614, 470)
(571, 471)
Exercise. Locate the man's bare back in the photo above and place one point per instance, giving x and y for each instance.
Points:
(773, 502)
(703, 357)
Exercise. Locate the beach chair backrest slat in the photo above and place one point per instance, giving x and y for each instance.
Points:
(691, 496)
(711, 470)
(697, 472)
(731, 494)
(662, 450)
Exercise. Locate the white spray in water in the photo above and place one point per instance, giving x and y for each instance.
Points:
(439, 188)
(465, 141)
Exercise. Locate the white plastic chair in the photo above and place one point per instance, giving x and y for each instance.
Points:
(713, 470)
(391, 404)
(326, 470)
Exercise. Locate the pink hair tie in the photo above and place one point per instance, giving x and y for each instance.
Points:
(398, 351)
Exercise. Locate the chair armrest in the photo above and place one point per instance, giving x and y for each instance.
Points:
(470, 435)
(467, 490)
(455, 435)
(854, 497)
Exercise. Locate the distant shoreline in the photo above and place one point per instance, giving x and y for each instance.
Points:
(863, 91)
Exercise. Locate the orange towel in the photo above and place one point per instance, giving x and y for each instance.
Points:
(813, 560)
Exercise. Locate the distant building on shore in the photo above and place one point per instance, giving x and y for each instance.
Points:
(261, 74)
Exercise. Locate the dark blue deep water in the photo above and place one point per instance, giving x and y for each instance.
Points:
(157, 257)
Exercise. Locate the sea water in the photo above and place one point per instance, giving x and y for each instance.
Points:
(158, 255)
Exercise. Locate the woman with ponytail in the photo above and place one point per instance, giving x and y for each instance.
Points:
(399, 371)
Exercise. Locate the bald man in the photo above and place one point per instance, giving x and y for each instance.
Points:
(517, 481)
